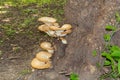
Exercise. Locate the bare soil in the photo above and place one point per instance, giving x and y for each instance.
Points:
(19, 48)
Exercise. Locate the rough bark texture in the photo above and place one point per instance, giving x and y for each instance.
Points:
(88, 18)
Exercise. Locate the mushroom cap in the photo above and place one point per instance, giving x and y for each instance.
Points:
(46, 45)
(37, 64)
(54, 28)
(43, 28)
(66, 27)
(56, 24)
(47, 20)
(67, 31)
(43, 56)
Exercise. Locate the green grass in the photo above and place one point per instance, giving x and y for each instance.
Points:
(112, 56)
(56, 13)
(23, 20)
(1, 53)
(9, 30)
(27, 2)
(111, 52)
(112, 75)
(74, 76)
(25, 71)
(94, 53)
(1, 41)
(117, 15)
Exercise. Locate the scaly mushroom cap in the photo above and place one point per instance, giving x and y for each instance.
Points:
(43, 28)
(47, 20)
(37, 64)
(43, 56)
(66, 27)
(46, 45)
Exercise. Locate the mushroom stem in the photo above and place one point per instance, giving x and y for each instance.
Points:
(64, 41)
(51, 51)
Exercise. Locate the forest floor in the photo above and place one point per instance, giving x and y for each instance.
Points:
(20, 38)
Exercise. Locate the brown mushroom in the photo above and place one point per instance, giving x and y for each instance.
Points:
(59, 33)
(51, 33)
(56, 24)
(67, 31)
(47, 20)
(43, 56)
(37, 64)
(54, 28)
(66, 27)
(44, 28)
(47, 30)
(47, 46)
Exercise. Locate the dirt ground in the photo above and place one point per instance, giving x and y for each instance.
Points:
(19, 40)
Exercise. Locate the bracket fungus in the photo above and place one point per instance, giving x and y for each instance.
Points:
(43, 56)
(37, 64)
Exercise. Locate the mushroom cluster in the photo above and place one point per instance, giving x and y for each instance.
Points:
(42, 59)
(53, 29)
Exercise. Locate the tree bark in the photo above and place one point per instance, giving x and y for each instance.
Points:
(88, 18)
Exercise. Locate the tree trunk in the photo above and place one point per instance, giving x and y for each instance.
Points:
(88, 18)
